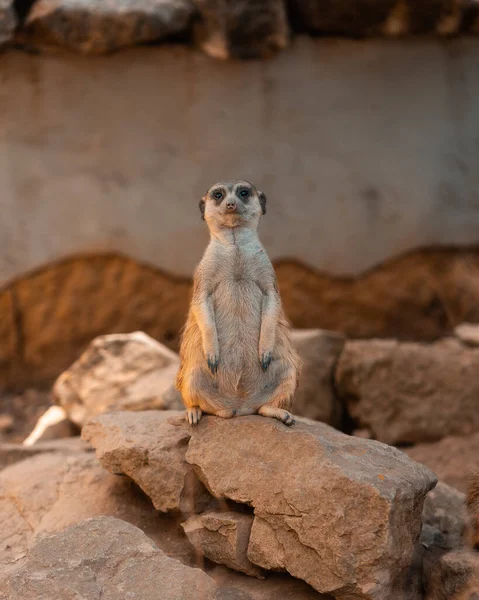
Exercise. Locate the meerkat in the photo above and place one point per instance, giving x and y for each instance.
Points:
(472, 503)
(236, 354)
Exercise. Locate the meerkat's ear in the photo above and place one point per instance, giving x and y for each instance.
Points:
(262, 201)
(202, 207)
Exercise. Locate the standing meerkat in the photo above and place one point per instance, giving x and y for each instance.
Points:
(236, 353)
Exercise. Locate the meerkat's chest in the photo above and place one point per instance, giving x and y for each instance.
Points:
(241, 266)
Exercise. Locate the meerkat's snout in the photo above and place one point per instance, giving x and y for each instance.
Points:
(231, 206)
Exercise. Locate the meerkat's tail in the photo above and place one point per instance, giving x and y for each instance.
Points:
(472, 503)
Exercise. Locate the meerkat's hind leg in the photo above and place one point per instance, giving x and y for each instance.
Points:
(276, 413)
(193, 415)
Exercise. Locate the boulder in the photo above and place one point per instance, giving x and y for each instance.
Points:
(451, 576)
(106, 558)
(102, 26)
(341, 513)
(315, 397)
(8, 21)
(453, 459)
(223, 538)
(410, 392)
(468, 333)
(119, 372)
(445, 512)
(150, 448)
(13, 453)
(242, 28)
(51, 491)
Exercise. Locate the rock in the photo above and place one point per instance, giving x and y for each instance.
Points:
(453, 459)
(150, 448)
(410, 392)
(319, 351)
(53, 424)
(102, 26)
(119, 372)
(444, 511)
(13, 453)
(223, 537)
(104, 558)
(341, 513)
(6, 423)
(468, 333)
(49, 492)
(369, 17)
(8, 21)
(242, 28)
(451, 576)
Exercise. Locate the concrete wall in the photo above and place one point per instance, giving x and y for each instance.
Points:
(364, 149)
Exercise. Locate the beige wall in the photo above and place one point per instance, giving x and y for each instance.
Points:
(364, 149)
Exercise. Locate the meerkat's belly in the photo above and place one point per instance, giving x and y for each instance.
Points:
(238, 305)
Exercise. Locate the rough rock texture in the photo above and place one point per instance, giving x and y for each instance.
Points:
(119, 372)
(452, 576)
(13, 453)
(409, 392)
(104, 558)
(223, 537)
(101, 26)
(8, 20)
(453, 459)
(444, 511)
(345, 517)
(150, 448)
(242, 28)
(468, 333)
(49, 492)
(370, 17)
(319, 351)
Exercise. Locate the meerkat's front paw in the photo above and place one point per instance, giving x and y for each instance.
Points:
(266, 359)
(193, 415)
(213, 362)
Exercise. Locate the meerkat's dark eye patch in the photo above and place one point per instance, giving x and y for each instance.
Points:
(243, 193)
(217, 195)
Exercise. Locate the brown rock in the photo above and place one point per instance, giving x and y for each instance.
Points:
(8, 337)
(13, 453)
(119, 372)
(341, 513)
(445, 512)
(150, 448)
(223, 537)
(409, 392)
(468, 333)
(8, 21)
(104, 558)
(319, 351)
(6, 423)
(102, 26)
(452, 576)
(453, 459)
(242, 28)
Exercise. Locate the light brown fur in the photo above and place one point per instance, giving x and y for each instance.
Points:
(472, 503)
(236, 353)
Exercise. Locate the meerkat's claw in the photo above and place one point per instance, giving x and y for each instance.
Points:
(193, 415)
(288, 419)
(213, 362)
(266, 359)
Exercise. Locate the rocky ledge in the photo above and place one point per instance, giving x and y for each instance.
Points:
(341, 513)
(231, 28)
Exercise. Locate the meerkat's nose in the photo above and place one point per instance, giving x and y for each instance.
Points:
(231, 205)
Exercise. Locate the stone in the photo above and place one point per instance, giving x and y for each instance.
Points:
(8, 21)
(53, 424)
(102, 26)
(106, 558)
(150, 448)
(453, 459)
(223, 538)
(315, 397)
(51, 491)
(468, 333)
(12, 453)
(6, 423)
(452, 575)
(119, 372)
(444, 511)
(320, 498)
(242, 28)
(406, 392)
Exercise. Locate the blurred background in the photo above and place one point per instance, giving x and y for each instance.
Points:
(358, 119)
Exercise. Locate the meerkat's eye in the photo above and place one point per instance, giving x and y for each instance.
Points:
(217, 195)
(244, 193)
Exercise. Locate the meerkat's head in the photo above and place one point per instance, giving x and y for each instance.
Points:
(237, 204)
